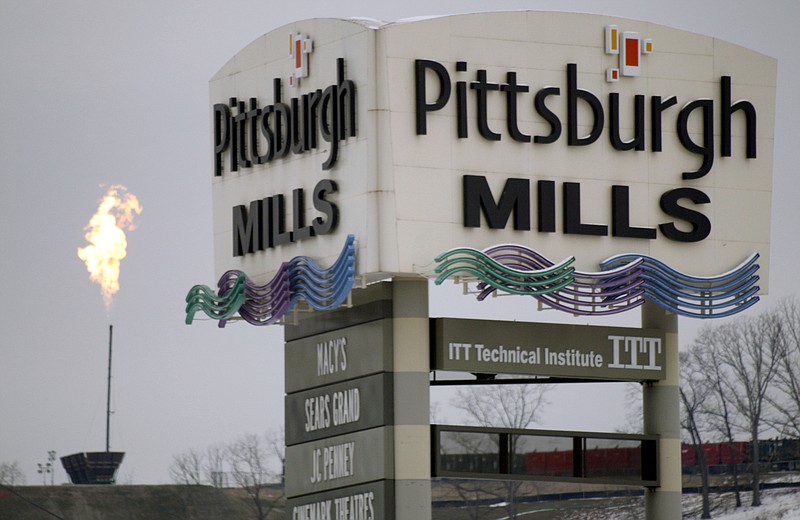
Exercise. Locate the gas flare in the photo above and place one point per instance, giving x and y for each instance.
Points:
(107, 242)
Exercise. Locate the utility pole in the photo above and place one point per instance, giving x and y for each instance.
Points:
(108, 393)
(51, 461)
(43, 470)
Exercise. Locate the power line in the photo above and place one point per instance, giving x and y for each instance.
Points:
(29, 501)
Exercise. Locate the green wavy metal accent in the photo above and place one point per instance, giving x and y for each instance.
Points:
(499, 276)
(203, 298)
(525, 287)
(530, 277)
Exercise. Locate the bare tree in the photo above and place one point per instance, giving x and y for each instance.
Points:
(751, 349)
(249, 458)
(276, 445)
(718, 408)
(515, 406)
(694, 392)
(214, 464)
(787, 378)
(503, 405)
(11, 474)
(187, 467)
(633, 409)
(253, 462)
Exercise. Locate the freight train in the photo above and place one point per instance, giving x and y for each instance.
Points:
(774, 455)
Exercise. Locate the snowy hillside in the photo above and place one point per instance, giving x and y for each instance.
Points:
(778, 504)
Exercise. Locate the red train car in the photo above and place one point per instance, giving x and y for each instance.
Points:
(717, 454)
(552, 463)
(733, 452)
(613, 461)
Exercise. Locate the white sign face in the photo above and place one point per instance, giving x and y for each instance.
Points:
(290, 147)
(570, 135)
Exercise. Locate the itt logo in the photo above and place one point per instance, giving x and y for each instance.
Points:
(300, 47)
(639, 353)
(629, 46)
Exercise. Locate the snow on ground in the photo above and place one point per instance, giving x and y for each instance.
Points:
(778, 504)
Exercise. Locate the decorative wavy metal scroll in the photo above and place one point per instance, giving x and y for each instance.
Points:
(694, 296)
(301, 278)
(624, 282)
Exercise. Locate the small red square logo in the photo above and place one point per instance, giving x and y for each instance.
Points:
(632, 52)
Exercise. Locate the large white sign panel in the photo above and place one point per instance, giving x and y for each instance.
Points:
(571, 135)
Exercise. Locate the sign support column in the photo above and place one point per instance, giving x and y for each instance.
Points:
(412, 437)
(661, 411)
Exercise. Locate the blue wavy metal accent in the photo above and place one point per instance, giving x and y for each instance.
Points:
(624, 282)
(696, 296)
(323, 289)
(299, 279)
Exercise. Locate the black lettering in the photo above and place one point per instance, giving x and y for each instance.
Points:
(701, 226)
(312, 117)
(327, 223)
(299, 126)
(657, 107)
(278, 221)
(347, 102)
(300, 230)
(573, 95)
(283, 122)
(234, 156)
(516, 198)
(253, 123)
(461, 102)
(512, 88)
(546, 206)
(707, 149)
(222, 138)
(572, 213)
(266, 223)
(637, 143)
(726, 111)
(482, 86)
(329, 128)
(548, 115)
(240, 125)
(621, 215)
(247, 231)
(269, 137)
(422, 105)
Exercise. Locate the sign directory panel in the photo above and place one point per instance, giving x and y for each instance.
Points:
(368, 501)
(340, 408)
(547, 349)
(338, 356)
(341, 461)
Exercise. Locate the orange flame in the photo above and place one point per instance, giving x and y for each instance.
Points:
(106, 236)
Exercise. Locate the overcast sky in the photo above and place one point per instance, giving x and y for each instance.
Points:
(95, 93)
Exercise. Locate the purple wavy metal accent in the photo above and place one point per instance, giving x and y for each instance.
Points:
(264, 304)
(602, 293)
